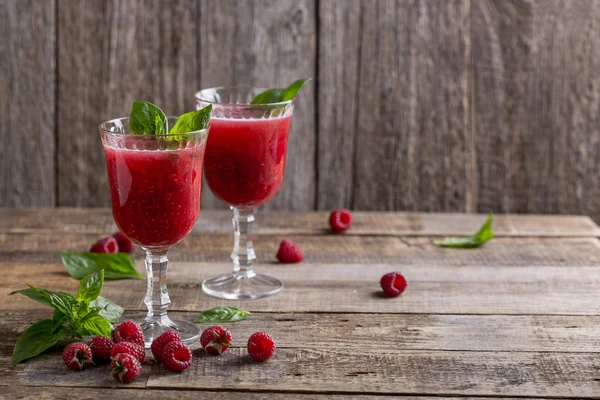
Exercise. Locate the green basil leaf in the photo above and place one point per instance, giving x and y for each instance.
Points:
(191, 122)
(91, 286)
(40, 297)
(108, 309)
(115, 266)
(147, 118)
(278, 95)
(62, 301)
(57, 319)
(484, 234)
(96, 325)
(222, 314)
(38, 337)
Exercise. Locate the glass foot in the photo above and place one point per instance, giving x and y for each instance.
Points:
(189, 331)
(238, 286)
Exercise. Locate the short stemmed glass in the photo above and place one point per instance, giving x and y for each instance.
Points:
(244, 167)
(155, 186)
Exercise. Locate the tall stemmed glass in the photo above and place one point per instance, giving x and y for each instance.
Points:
(155, 185)
(245, 163)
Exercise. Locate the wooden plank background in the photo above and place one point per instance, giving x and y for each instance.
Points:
(427, 105)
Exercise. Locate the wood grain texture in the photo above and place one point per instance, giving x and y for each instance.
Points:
(536, 70)
(339, 47)
(511, 290)
(266, 43)
(27, 103)
(507, 333)
(413, 113)
(113, 53)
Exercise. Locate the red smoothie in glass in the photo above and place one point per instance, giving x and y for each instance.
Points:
(245, 159)
(155, 194)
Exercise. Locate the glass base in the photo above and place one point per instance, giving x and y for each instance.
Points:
(239, 286)
(189, 331)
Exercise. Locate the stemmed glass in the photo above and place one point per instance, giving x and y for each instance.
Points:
(244, 167)
(155, 186)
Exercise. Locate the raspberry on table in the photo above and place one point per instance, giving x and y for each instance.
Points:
(129, 348)
(77, 356)
(289, 252)
(125, 367)
(125, 245)
(160, 342)
(176, 357)
(340, 220)
(393, 283)
(261, 346)
(101, 347)
(215, 340)
(128, 331)
(106, 245)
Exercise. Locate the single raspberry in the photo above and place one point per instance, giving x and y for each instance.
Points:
(176, 356)
(160, 342)
(125, 245)
(215, 340)
(393, 283)
(129, 348)
(101, 347)
(77, 356)
(261, 346)
(105, 245)
(128, 331)
(289, 252)
(125, 367)
(340, 220)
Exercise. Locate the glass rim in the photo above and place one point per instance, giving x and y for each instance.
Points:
(198, 97)
(152, 136)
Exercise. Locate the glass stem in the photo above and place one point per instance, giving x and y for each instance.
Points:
(157, 298)
(243, 253)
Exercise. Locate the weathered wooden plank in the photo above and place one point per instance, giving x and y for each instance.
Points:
(113, 53)
(542, 333)
(535, 105)
(27, 103)
(352, 288)
(339, 47)
(216, 247)
(266, 43)
(100, 221)
(413, 121)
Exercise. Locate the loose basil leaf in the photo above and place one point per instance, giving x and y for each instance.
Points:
(222, 314)
(115, 266)
(147, 118)
(91, 286)
(484, 234)
(191, 122)
(96, 325)
(38, 337)
(108, 309)
(277, 95)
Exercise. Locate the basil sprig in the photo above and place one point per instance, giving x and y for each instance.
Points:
(148, 119)
(278, 95)
(86, 314)
(484, 234)
(222, 314)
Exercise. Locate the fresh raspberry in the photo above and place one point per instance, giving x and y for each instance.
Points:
(125, 367)
(340, 220)
(101, 347)
(215, 339)
(393, 283)
(77, 356)
(125, 245)
(129, 348)
(176, 356)
(261, 346)
(105, 245)
(128, 331)
(289, 252)
(160, 342)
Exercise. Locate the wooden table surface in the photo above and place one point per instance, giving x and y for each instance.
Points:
(519, 317)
